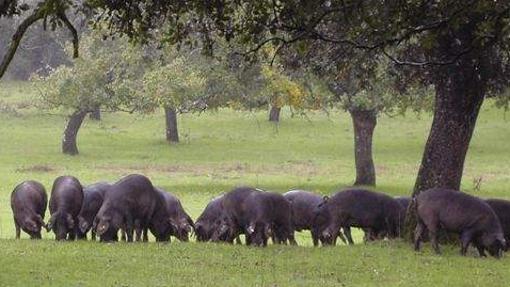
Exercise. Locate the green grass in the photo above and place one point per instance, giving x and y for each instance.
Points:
(220, 150)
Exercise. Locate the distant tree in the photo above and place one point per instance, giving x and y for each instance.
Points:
(282, 90)
(177, 86)
(88, 83)
(363, 84)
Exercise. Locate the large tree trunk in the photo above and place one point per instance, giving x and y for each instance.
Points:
(96, 114)
(460, 91)
(172, 134)
(274, 114)
(69, 145)
(364, 122)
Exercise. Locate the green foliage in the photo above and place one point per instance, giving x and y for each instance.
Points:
(282, 90)
(80, 87)
(97, 78)
(176, 84)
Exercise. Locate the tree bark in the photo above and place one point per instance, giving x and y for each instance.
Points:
(460, 91)
(274, 114)
(95, 114)
(364, 122)
(69, 145)
(172, 133)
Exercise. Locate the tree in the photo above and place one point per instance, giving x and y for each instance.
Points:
(175, 86)
(79, 89)
(282, 90)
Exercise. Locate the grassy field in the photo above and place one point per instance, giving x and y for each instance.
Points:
(220, 150)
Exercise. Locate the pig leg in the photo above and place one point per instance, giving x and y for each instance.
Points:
(238, 240)
(315, 237)
(481, 251)
(347, 232)
(432, 224)
(129, 233)
(418, 235)
(71, 235)
(138, 231)
(465, 239)
(18, 229)
(341, 236)
(292, 239)
(76, 232)
(138, 234)
(368, 235)
(145, 234)
(433, 238)
(93, 235)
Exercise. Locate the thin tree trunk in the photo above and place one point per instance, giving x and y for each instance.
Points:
(69, 145)
(364, 122)
(172, 134)
(95, 114)
(460, 91)
(274, 114)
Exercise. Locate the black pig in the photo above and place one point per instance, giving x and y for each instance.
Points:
(303, 205)
(28, 203)
(129, 204)
(374, 212)
(65, 205)
(92, 200)
(207, 222)
(257, 214)
(458, 212)
(170, 218)
(502, 209)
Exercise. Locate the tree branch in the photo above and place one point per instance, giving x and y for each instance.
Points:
(16, 38)
(74, 33)
(428, 63)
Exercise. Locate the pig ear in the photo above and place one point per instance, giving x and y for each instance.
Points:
(70, 221)
(251, 228)
(102, 227)
(83, 224)
(173, 224)
(49, 225)
(502, 241)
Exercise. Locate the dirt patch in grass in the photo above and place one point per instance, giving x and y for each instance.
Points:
(292, 168)
(36, 168)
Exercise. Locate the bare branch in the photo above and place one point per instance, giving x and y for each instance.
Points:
(70, 27)
(428, 63)
(16, 38)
